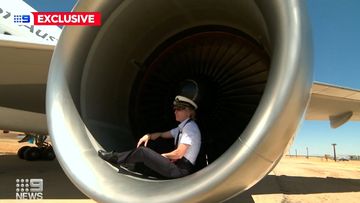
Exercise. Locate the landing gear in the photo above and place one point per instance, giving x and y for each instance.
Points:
(32, 153)
(43, 151)
(47, 153)
(21, 151)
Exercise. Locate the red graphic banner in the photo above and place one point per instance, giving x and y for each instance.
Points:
(67, 18)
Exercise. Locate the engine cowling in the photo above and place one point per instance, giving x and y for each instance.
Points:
(109, 85)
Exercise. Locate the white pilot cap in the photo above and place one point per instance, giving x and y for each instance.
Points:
(181, 101)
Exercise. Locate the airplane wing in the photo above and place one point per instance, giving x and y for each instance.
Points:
(23, 95)
(334, 103)
(24, 68)
(25, 54)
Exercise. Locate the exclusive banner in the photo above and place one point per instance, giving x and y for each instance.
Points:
(67, 18)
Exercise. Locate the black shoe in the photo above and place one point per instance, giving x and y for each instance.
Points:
(107, 156)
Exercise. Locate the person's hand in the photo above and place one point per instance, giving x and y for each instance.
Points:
(172, 160)
(144, 140)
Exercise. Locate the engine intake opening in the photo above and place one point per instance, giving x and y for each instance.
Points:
(96, 98)
(231, 71)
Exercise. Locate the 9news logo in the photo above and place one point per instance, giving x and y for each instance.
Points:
(22, 19)
(29, 188)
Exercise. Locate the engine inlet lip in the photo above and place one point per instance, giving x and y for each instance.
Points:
(78, 158)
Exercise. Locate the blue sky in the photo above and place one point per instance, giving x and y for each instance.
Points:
(336, 41)
(51, 5)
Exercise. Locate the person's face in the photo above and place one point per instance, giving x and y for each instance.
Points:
(181, 114)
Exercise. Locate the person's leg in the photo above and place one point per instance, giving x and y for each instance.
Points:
(148, 157)
(122, 156)
(114, 157)
(155, 161)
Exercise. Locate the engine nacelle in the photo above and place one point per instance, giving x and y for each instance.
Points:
(109, 85)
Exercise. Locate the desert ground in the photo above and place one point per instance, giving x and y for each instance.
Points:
(293, 180)
(296, 180)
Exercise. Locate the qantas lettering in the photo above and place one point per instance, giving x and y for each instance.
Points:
(7, 15)
(38, 33)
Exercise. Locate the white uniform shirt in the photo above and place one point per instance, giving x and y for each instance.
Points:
(190, 135)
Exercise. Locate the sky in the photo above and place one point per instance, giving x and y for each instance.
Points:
(336, 32)
(336, 41)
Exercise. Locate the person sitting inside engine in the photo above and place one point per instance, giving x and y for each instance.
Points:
(174, 164)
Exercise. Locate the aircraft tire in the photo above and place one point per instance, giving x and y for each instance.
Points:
(32, 153)
(47, 154)
(21, 151)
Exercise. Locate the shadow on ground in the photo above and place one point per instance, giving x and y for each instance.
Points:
(58, 186)
(293, 185)
(55, 182)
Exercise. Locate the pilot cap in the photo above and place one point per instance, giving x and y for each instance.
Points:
(181, 101)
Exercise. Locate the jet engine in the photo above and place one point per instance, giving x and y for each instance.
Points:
(109, 85)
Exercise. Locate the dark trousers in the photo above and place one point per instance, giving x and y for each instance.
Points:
(154, 161)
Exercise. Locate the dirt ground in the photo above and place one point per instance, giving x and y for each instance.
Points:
(310, 180)
(293, 180)
(9, 144)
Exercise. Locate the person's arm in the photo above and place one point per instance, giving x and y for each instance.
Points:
(178, 153)
(153, 136)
